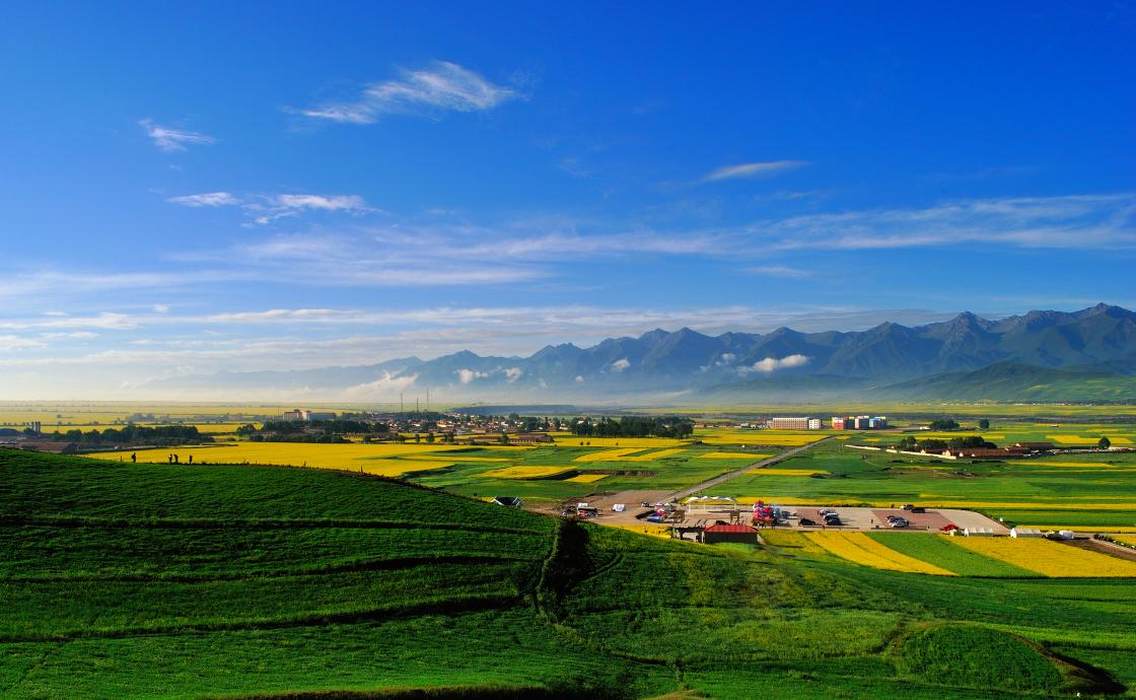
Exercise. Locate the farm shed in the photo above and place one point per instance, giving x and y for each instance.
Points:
(724, 532)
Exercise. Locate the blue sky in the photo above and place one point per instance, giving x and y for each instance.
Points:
(288, 185)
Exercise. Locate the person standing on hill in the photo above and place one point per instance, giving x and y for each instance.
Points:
(134, 457)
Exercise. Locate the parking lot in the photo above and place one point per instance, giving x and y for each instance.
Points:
(854, 518)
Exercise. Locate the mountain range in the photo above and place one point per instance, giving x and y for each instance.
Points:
(1085, 355)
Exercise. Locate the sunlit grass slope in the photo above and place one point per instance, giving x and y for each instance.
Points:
(174, 581)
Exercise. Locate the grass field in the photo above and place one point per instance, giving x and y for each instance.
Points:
(159, 580)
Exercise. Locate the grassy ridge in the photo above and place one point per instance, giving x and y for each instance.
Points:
(213, 586)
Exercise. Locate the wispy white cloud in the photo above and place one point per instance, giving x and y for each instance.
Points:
(266, 208)
(206, 199)
(1074, 221)
(441, 86)
(170, 139)
(779, 271)
(744, 170)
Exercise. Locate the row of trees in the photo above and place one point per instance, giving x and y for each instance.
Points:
(162, 435)
(328, 427)
(949, 424)
(634, 426)
(911, 444)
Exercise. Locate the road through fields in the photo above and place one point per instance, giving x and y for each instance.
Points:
(723, 478)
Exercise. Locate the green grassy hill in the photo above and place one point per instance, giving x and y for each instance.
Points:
(234, 581)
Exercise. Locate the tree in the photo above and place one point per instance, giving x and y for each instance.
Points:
(1104, 443)
(983, 424)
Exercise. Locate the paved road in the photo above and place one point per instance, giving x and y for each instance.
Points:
(723, 478)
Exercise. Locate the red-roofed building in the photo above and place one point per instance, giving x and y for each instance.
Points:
(729, 533)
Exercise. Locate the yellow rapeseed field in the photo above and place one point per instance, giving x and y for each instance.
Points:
(1087, 439)
(349, 456)
(587, 478)
(640, 443)
(655, 454)
(791, 540)
(785, 472)
(1049, 558)
(525, 472)
(857, 547)
(608, 455)
(1048, 463)
(762, 437)
(753, 457)
(1127, 539)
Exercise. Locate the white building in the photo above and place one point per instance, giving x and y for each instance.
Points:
(303, 414)
(794, 423)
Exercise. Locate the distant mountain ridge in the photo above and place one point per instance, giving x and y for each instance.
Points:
(1040, 348)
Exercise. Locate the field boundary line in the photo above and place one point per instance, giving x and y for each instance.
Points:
(391, 564)
(433, 606)
(252, 523)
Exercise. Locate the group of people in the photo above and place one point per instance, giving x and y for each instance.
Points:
(173, 458)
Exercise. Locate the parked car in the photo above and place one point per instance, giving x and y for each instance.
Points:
(806, 522)
(898, 522)
(832, 519)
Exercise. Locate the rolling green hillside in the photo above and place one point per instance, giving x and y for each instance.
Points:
(176, 581)
(1008, 381)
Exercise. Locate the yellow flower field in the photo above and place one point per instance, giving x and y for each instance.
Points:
(858, 548)
(608, 455)
(1087, 440)
(525, 472)
(791, 540)
(1127, 539)
(735, 455)
(1048, 463)
(786, 472)
(587, 478)
(653, 455)
(1048, 558)
(348, 456)
(763, 437)
(567, 440)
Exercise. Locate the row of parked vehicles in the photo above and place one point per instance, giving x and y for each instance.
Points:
(831, 518)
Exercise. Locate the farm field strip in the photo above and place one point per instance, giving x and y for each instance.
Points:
(587, 478)
(1049, 558)
(651, 456)
(773, 471)
(941, 551)
(609, 455)
(525, 472)
(858, 548)
(793, 540)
